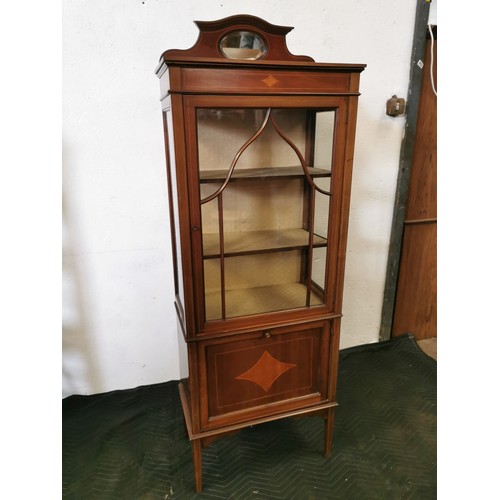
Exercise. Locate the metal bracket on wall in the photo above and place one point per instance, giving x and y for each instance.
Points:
(395, 106)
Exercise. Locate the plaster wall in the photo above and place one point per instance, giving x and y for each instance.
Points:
(119, 324)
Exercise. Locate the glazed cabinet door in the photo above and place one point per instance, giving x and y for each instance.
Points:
(263, 202)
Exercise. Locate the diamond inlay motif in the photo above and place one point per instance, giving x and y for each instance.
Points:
(266, 371)
(270, 81)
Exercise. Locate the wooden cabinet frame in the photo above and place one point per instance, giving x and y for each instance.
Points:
(261, 361)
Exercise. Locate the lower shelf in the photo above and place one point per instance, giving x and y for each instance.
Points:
(258, 241)
(259, 300)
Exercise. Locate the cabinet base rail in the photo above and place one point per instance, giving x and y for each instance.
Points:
(198, 439)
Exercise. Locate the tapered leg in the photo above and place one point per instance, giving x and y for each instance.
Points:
(328, 432)
(197, 464)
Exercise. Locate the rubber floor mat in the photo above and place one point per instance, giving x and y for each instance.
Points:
(132, 444)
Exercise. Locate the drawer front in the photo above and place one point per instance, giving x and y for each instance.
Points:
(263, 81)
(265, 373)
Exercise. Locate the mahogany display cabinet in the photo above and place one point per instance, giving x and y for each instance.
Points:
(259, 147)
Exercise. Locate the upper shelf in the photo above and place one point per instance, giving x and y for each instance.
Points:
(261, 173)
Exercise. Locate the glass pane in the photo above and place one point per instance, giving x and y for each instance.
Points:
(213, 296)
(321, 207)
(176, 253)
(323, 140)
(324, 127)
(258, 207)
(243, 45)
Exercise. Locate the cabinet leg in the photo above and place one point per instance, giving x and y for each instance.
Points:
(196, 444)
(328, 432)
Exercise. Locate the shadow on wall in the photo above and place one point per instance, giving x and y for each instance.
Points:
(80, 367)
(369, 227)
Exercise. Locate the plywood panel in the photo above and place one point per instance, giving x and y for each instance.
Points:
(416, 296)
(415, 308)
(422, 192)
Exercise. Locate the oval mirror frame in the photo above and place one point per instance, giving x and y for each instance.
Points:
(243, 44)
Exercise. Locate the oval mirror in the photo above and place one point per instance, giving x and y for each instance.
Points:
(243, 45)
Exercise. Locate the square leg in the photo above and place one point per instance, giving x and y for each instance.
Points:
(196, 444)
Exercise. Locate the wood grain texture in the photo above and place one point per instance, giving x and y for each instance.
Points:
(258, 241)
(416, 297)
(262, 289)
(258, 300)
(261, 173)
(415, 308)
(211, 32)
(262, 81)
(422, 192)
(281, 368)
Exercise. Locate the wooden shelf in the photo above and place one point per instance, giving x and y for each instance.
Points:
(250, 242)
(263, 299)
(261, 173)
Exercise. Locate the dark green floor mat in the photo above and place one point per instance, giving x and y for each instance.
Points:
(132, 445)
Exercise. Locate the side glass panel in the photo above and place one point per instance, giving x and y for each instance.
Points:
(176, 238)
(264, 192)
(323, 152)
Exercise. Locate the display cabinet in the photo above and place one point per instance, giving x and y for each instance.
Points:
(259, 147)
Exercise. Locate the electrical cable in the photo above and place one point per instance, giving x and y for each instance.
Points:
(432, 59)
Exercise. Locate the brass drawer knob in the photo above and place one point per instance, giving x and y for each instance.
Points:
(267, 334)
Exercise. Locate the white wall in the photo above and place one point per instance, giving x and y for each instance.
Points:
(119, 326)
(433, 12)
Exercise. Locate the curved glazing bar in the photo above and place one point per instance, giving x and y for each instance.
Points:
(299, 155)
(237, 157)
